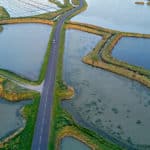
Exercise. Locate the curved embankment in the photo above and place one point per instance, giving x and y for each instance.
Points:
(64, 121)
(105, 47)
(73, 132)
(12, 92)
(14, 96)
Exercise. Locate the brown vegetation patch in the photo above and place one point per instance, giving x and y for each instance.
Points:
(13, 92)
(26, 20)
(73, 132)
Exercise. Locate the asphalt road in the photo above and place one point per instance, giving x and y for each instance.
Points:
(44, 118)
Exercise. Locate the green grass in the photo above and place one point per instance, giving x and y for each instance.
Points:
(56, 111)
(62, 119)
(3, 13)
(23, 140)
(13, 76)
(76, 2)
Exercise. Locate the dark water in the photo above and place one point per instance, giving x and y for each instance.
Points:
(104, 102)
(135, 51)
(10, 117)
(69, 143)
(22, 48)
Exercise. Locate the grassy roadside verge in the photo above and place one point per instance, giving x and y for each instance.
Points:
(13, 76)
(22, 139)
(63, 122)
(64, 125)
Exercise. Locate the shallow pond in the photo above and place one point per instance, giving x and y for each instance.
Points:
(10, 117)
(22, 8)
(135, 51)
(124, 15)
(111, 105)
(69, 143)
(22, 48)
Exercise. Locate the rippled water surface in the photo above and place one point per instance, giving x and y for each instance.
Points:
(22, 48)
(121, 15)
(69, 143)
(135, 51)
(111, 105)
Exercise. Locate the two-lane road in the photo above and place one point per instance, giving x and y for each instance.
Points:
(43, 123)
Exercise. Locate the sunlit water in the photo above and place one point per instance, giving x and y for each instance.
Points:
(135, 51)
(69, 143)
(10, 117)
(121, 15)
(23, 47)
(111, 105)
(22, 8)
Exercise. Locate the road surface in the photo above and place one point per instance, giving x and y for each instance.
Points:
(43, 122)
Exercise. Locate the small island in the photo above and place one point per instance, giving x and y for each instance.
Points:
(142, 2)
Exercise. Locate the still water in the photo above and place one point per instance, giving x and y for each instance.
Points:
(22, 8)
(22, 48)
(135, 51)
(10, 117)
(121, 15)
(111, 105)
(69, 143)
